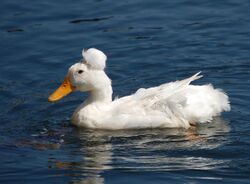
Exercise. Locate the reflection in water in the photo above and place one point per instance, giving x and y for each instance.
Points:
(146, 150)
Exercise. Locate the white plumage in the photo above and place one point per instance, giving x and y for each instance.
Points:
(170, 105)
(95, 58)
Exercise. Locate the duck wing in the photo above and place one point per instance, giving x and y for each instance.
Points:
(185, 102)
(162, 103)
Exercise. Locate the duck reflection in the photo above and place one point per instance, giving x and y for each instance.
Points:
(152, 150)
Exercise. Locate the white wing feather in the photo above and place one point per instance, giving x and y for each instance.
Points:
(179, 102)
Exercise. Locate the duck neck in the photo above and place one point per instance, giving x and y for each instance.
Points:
(101, 95)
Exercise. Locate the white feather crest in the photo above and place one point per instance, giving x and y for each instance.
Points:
(95, 58)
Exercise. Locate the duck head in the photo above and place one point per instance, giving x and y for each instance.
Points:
(87, 75)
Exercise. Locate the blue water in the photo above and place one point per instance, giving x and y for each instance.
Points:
(147, 43)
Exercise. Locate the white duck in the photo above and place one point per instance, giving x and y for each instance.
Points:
(170, 105)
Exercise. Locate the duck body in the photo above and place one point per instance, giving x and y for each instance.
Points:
(171, 105)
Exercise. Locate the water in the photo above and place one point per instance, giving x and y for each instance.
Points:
(147, 43)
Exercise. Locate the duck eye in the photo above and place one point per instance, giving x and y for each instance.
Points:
(80, 71)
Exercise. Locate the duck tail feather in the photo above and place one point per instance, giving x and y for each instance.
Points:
(192, 78)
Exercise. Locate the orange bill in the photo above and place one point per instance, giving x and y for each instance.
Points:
(65, 88)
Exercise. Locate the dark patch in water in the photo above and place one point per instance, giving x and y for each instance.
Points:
(119, 29)
(142, 37)
(15, 30)
(154, 28)
(77, 21)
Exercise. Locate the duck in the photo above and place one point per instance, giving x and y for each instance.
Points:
(177, 104)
